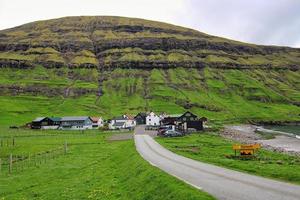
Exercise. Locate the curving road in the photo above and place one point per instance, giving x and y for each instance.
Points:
(219, 182)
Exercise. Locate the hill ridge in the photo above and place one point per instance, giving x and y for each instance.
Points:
(113, 42)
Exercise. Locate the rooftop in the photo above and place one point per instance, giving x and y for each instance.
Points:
(38, 119)
(80, 118)
(119, 124)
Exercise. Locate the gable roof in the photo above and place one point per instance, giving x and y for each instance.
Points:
(188, 112)
(38, 119)
(95, 119)
(55, 119)
(79, 118)
(142, 114)
(130, 117)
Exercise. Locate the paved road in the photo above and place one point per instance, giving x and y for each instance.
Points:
(221, 183)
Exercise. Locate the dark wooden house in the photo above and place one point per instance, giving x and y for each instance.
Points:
(186, 122)
(140, 118)
(169, 120)
(44, 122)
(189, 122)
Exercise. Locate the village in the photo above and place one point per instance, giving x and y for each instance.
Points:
(166, 125)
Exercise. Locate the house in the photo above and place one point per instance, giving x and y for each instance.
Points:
(152, 119)
(140, 118)
(122, 122)
(46, 123)
(119, 125)
(169, 119)
(130, 121)
(76, 123)
(189, 122)
(97, 122)
(37, 122)
(185, 122)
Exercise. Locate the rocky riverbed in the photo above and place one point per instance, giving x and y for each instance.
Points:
(248, 134)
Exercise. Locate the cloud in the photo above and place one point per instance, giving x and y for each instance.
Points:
(264, 22)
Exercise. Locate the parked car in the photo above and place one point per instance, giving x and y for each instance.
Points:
(171, 133)
(161, 130)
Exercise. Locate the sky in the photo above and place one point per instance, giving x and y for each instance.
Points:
(269, 22)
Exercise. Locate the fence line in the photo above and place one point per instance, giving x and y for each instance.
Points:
(18, 163)
(9, 142)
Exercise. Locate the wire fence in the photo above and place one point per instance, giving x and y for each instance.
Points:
(18, 163)
(7, 142)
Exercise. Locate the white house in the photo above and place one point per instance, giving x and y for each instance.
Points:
(97, 122)
(152, 119)
(122, 122)
(76, 123)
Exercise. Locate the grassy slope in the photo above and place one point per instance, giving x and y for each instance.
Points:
(220, 95)
(93, 169)
(214, 149)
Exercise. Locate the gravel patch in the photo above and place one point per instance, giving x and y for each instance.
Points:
(120, 137)
(246, 134)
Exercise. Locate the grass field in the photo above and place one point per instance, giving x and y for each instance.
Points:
(93, 168)
(211, 148)
(220, 95)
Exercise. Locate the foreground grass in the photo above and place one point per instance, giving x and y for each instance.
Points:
(94, 168)
(211, 148)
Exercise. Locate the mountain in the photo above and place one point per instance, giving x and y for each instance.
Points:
(110, 65)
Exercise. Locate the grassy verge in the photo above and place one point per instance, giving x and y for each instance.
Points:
(93, 168)
(211, 148)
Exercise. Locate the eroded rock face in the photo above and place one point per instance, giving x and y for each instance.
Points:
(44, 91)
(113, 42)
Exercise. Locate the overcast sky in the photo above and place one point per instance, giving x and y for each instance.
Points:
(275, 22)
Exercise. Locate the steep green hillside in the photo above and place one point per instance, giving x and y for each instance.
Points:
(112, 65)
(219, 94)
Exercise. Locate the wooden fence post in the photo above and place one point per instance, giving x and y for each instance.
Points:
(0, 165)
(10, 163)
(23, 162)
(28, 163)
(65, 147)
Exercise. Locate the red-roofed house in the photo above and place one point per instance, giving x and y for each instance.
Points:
(97, 122)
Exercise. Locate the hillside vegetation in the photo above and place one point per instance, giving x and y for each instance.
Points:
(113, 65)
(112, 42)
(221, 95)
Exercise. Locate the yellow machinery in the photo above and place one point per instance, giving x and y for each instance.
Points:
(246, 149)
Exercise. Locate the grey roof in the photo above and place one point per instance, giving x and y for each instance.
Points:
(55, 119)
(80, 118)
(38, 119)
(119, 124)
(141, 114)
(120, 118)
